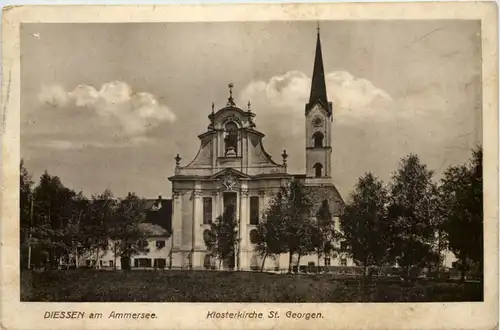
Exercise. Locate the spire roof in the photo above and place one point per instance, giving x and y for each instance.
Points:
(318, 85)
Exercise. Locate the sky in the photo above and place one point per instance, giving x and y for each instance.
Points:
(109, 106)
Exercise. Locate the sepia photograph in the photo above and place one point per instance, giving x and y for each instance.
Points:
(251, 161)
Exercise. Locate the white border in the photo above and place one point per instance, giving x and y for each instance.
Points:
(17, 315)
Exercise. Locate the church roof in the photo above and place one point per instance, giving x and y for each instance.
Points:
(153, 230)
(318, 84)
(159, 213)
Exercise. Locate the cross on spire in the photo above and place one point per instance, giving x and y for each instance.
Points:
(230, 100)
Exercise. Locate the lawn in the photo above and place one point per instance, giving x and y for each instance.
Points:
(214, 286)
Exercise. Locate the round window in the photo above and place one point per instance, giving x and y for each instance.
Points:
(253, 236)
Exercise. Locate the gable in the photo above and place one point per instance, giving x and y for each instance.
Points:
(320, 106)
(230, 171)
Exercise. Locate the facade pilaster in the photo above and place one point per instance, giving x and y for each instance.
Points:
(244, 222)
(177, 255)
(197, 240)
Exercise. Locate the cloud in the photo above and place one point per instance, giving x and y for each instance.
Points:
(54, 96)
(353, 98)
(369, 132)
(60, 145)
(358, 98)
(115, 104)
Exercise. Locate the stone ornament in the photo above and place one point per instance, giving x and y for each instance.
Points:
(229, 182)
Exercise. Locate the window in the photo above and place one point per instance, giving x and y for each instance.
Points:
(318, 139)
(343, 262)
(311, 267)
(327, 261)
(207, 236)
(231, 139)
(343, 246)
(142, 262)
(328, 248)
(160, 263)
(318, 169)
(254, 210)
(253, 236)
(143, 243)
(207, 210)
(111, 263)
(160, 244)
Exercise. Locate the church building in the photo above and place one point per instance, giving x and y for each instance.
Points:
(232, 171)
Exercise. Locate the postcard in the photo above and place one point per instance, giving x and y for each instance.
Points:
(250, 166)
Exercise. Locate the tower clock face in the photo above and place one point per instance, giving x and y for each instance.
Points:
(317, 121)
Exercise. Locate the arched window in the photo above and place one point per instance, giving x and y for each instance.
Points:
(231, 139)
(318, 169)
(318, 139)
(207, 236)
(254, 236)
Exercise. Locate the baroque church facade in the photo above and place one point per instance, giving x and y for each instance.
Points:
(232, 172)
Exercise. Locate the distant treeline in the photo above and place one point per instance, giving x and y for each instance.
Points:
(409, 222)
(56, 222)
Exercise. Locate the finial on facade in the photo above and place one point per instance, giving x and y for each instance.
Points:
(317, 26)
(230, 100)
(249, 105)
(211, 116)
(177, 160)
(284, 155)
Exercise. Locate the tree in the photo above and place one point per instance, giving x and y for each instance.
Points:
(97, 222)
(410, 208)
(364, 223)
(437, 212)
(223, 236)
(462, 195)
(53, 207)
(26, 213)
(298, 224)
(290, 217)
(124, 230)
(271, 231)
(76, 229)
(324, 231)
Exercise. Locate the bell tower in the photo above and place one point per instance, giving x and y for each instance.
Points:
(319, 117)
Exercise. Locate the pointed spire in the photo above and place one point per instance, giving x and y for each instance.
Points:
(318, 85)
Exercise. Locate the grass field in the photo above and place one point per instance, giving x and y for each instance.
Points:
(213, 286)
